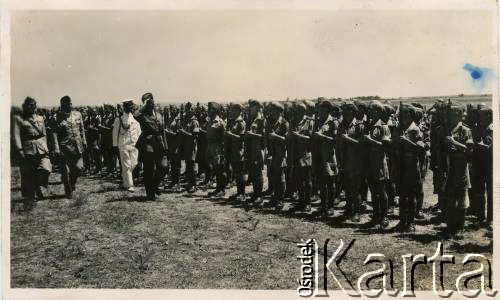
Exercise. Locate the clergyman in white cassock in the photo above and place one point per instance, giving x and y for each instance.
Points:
(126, 132)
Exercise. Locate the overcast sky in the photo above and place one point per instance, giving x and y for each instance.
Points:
(106, 56)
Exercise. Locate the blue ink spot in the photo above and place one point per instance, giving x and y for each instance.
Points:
(478, 75)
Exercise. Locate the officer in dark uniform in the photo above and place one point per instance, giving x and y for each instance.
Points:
(152, 146)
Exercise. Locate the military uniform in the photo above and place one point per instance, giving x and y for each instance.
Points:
(410, 176)
(94, 140)
(69, 140)
(152, 146)
(303, 160)
(378, 170)
(256, 154)
(327, 163)
(203, 166)
(189, 149)
(106, 132)
(485, 178)
(351, 164)
(215, 150)
(30, 137)
(173, 152)
(457, 179)
(278, 153)
(237, 153)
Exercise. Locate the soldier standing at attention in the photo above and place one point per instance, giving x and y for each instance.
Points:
(189, 149)
(419, 115)
(361, 117)
(410, 150)
(327, 164)
(268, 144)
(484, 148)
(152, 147)
(216, 129)
(228, 168)
(290, 178)
(389, 183)
(30, 141)
(235, 135)
(278, 152)
(203, 166)
(378, 171)
(126, 132)
(255, 136)
(69, 144)
(315, 153)
(438, 163)
(458, 143)
(303, 156)
(173, 152)
(350, 133)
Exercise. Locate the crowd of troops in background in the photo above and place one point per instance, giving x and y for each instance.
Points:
(324, 150)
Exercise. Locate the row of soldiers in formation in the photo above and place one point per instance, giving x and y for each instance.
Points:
(308, 148)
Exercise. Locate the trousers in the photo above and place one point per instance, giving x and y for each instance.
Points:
(71, 165)
(154, 172)
(128, 161)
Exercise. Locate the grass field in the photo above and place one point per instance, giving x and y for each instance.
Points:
(106, 238)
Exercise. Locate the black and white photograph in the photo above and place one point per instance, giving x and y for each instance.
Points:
(317, 151)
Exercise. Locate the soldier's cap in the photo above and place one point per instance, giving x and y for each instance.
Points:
(336, 105)
(146, 97)
(288, 105)
(301, 105)
(127, 102)
(236, 106)
(325, 104)
(29, 100)
(65, 99)
(214, 105)
(277, 105)
(309, 104)
(376, 105)
(253, 102)
(361, 105)
(481, 106)
(456, 106)
(408, 107)
(349, 106)
(389, 109)
(417, 105)
(485, 109)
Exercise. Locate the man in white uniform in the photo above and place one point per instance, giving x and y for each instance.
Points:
(126, 132)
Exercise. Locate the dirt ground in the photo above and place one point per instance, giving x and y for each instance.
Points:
(107, 238)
